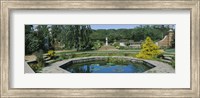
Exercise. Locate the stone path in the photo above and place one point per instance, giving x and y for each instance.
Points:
(27, 68)
(55, 67)
(160, 67)
(30, 58)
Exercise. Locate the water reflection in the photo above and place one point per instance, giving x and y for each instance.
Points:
(104, 67)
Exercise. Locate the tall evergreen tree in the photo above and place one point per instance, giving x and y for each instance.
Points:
(43, 36)
(31, 41)
(56, 33)
(78, 36)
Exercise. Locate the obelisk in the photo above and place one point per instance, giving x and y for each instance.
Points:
(106, 41)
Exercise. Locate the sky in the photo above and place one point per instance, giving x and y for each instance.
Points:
(113, 26)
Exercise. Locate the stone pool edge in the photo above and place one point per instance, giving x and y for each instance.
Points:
(160, 67)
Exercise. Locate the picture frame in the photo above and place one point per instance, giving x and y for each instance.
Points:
(8, 6)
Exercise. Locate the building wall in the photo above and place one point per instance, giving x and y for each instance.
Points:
(166, 41)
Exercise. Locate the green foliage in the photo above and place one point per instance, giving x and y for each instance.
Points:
(40, 61)
(35, 39)
(156, 32)
(141, 32)
(122, 47)
(32, 43)
(169, 50)
(116, 60)
(96, 45)
(43, 36)
(149, 50)
(62, 37)
(78, 37)
(173, 58)
(51, 54)
(116, 44)
(63, 56)
(36, 67)
(126, 54)
(161, 56)
(173, 64)
(73, 55)
(81, 37)
(57, 35)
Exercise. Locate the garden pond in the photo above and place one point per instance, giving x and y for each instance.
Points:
(105, 66)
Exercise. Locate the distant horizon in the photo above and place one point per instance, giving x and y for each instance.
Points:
(123, 26)
(112, 26)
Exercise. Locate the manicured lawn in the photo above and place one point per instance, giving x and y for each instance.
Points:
(74, 51)
(68, 54)
(169, 51)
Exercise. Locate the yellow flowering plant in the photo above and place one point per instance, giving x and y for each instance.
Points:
(51, 54)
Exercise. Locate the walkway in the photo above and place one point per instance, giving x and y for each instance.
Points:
(160, 67)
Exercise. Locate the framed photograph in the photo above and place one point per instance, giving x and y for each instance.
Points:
(98, 48)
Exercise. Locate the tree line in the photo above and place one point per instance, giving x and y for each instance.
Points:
(83, 37)
(155, 32)
(46, 37)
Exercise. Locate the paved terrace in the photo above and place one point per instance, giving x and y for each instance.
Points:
(160, 67)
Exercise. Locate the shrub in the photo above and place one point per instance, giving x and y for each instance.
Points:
(63, 55)
(111, 54)
(117, 47)
(116, 44)
(149, 50)
(35, 67)
(160, 56)
(122, 47)
(73, 55)
(40, 61)
(51, 54)
(173, 64)
(173, 57)
(59, 59)
(126, 54)
(116, 60)
(96, 45)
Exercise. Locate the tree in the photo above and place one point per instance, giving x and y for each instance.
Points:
(78, 37)
(156, 32)
(31, 41)
(59, 35)
(43, 37)
(149, 50)
(55, 33)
